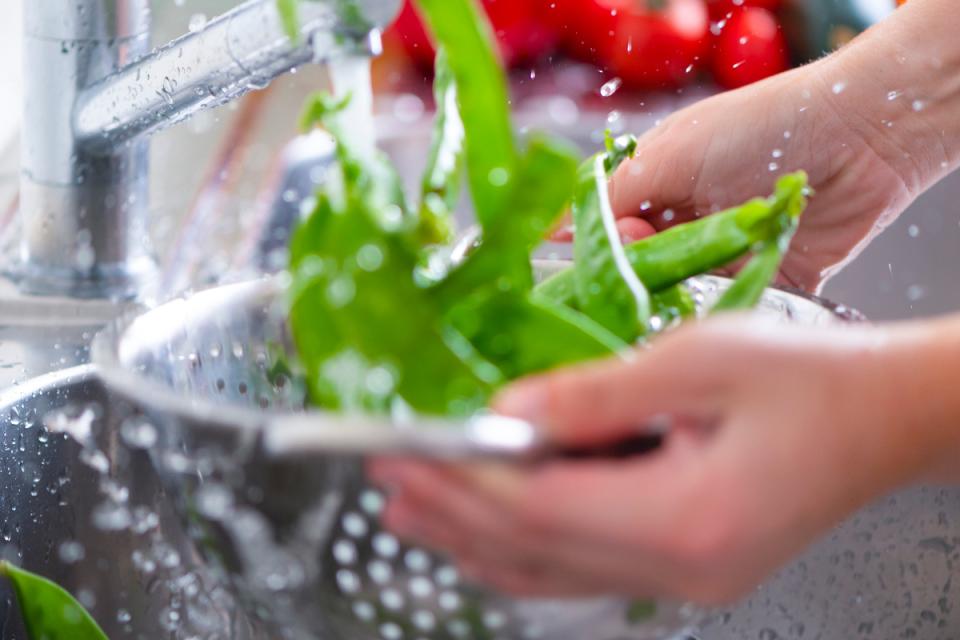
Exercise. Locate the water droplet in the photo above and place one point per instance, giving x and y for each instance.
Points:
(449, 600)
(138, 433)
(498, 177)
(370, 257)
(777, 153)
(214, 500)
(71, 552)
(773, 166)
(839, 87)
(918, 105)
(197, 22)
(913, 231)
(893, 95)
(610, 87)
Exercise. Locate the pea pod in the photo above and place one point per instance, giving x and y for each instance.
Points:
(673, 303)
(48, 611)
(492, 158)
(691, 249)
(608, 290)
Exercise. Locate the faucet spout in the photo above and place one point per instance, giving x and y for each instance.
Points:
(233, 54)
(94, 91)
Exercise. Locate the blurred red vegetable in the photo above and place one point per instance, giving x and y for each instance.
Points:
(655, 43)
(521, 30)
(584, 27)
(750, 47)
(722, 9)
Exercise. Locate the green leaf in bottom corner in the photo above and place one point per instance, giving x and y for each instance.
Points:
(49, 612)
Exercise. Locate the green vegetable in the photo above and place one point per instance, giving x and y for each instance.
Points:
(379, 326)
(353, 264)
(691, 249)
(492, 157)
(503, 259)
(523, 336)
(290, 17)
(608, 291)
(674, 303)
(48, 611)
(441, 180)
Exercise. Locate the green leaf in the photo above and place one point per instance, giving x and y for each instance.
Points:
(48, 611)
(290, 17)
(607, 288)
(542, 192)
(461, 28)
(521, 336)
(440, 189)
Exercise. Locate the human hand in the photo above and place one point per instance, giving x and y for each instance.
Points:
(778, 433)
(873, 125)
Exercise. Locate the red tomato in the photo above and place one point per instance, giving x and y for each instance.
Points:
(583, 26)
(521, 31)
(750, 47)
(722, 9)
(651, 47)
(408, 29)
(522, 35)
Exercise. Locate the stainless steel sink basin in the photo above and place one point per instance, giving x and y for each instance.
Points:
(93, 518)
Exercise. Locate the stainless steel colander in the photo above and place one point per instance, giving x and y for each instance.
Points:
(275, 494)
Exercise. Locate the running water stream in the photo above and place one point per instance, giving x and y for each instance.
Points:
(351, 78)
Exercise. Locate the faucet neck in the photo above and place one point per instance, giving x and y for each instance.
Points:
(94, 91)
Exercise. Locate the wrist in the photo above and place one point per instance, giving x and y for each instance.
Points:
(921, 370)
(897, 87)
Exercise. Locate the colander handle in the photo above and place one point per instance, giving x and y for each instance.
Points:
(482, 437)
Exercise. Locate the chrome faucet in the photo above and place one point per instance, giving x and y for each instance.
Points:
(93, 93)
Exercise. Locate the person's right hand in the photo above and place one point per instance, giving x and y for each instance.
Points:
(829, 118)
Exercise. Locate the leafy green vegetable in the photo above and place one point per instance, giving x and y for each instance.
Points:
(503, 259)
(380, 327)
(290, 17)
(492, 157)
(48, 611)
(523, 336)
(441, 180)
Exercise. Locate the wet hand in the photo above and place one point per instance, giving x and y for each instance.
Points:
(772, 444)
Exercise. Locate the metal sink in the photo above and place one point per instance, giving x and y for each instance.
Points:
(88, 511)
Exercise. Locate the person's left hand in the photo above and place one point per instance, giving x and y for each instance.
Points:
(779, 433)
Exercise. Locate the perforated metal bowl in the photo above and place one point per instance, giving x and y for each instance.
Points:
(275, 495)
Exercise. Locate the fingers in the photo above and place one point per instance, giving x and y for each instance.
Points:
(601, 402)
(633, 229)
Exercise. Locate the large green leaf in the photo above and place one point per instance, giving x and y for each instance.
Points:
(48, 611)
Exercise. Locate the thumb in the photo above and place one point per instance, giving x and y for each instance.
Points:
(605, 401)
